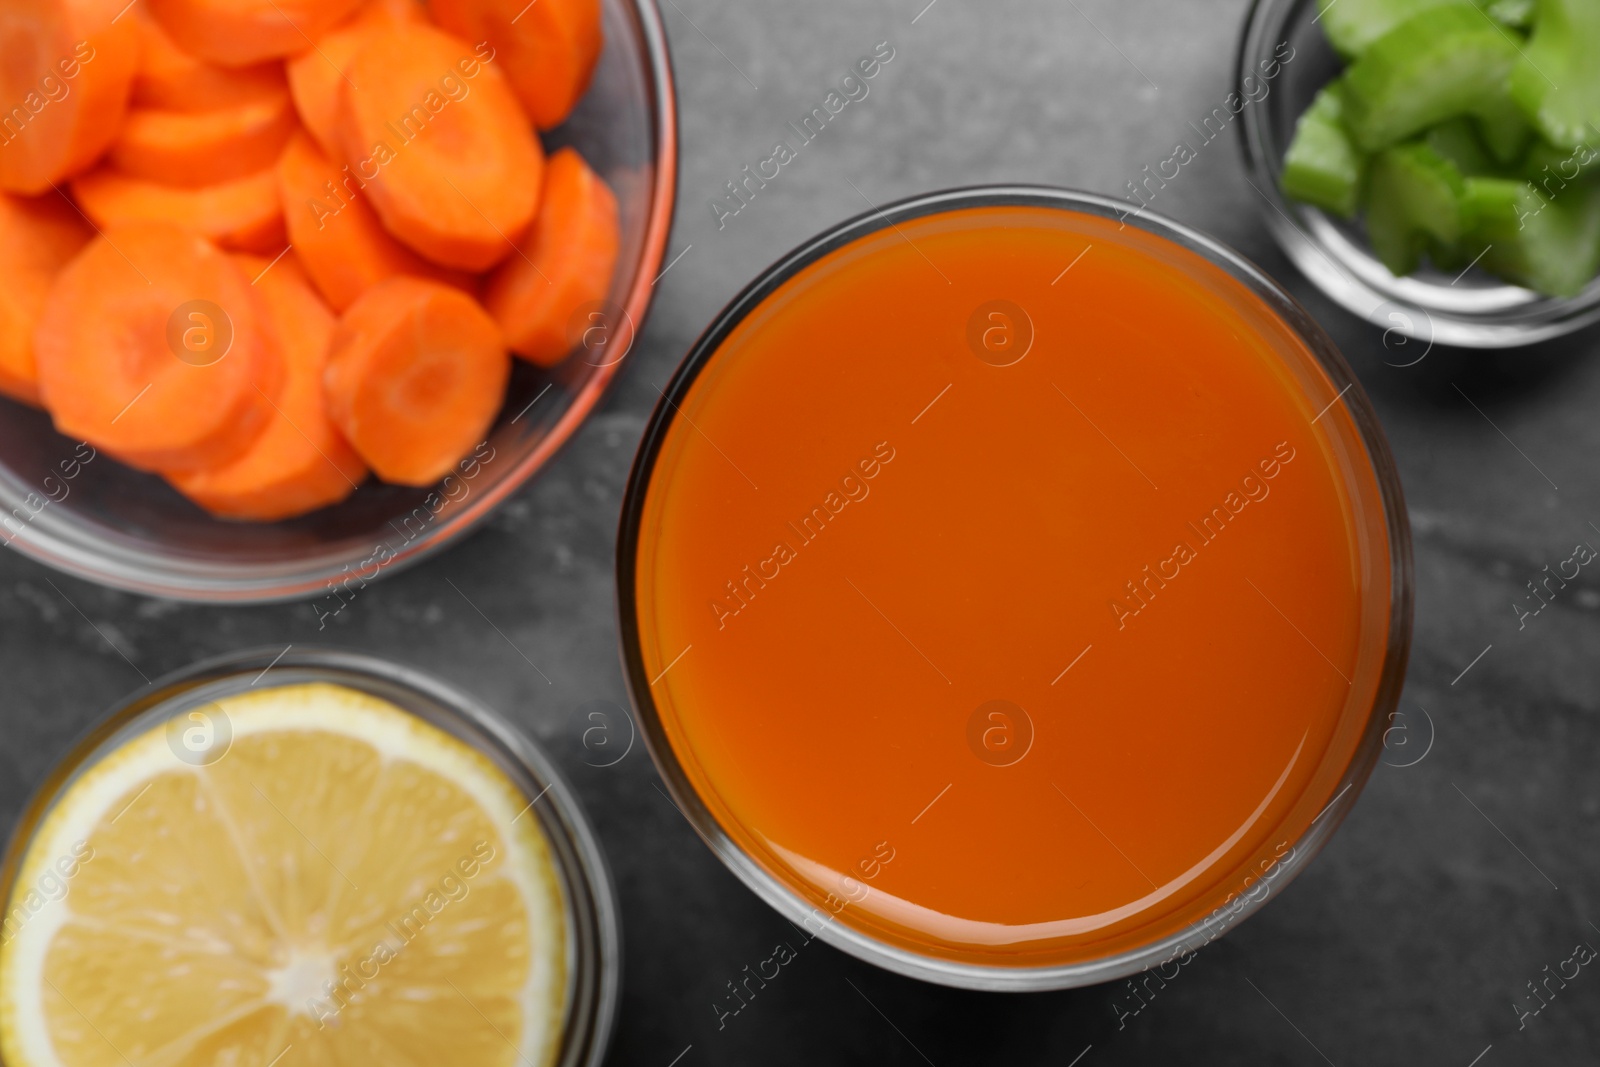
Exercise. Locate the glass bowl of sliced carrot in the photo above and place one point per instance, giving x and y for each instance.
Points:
(297, 292)
(1431, 165)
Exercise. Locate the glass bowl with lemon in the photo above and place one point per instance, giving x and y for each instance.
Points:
(326, 859)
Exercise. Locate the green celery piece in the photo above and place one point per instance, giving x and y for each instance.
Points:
(1414, 195)
(1551, 168)
(1353, 25)
(1444, 62)
(1322, 167)
(1457, 140)
(1556, 81)
(1397, 244)
(1551, 246)
(1448, 256)
(1504, 129)
(1516, 13)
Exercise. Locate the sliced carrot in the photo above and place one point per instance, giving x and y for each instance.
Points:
(416, 372)
(341, 243)
(238, 33)
(172, 79)
(243, 214)
(547, 48)
(37, 238)
(448, 158)
(564, 263)
(300, 462)
(108, 344)
(195, 148)
(317, 75)
(65, 72)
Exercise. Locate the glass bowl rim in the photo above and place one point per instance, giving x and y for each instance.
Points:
(1515, 317)
(777, 894)
(594, 980)
(151, 573)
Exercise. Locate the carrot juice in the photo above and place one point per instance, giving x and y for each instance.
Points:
(1013, 587)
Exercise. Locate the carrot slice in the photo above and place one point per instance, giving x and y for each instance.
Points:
(64, 81)
(37, 238)
(548, 49)
(243, 214)
(172, 79)
(317, 75)
(564, 263)
(339, 240)
(195, 148)
(446, 153)
(237, 33)
(300, 462)
(416, 372)
(108, 344)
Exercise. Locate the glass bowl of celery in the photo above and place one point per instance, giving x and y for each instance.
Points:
(1433, 166)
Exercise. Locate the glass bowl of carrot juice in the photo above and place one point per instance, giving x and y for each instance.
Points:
(1013, 590)
(259, 858)
(67, 505)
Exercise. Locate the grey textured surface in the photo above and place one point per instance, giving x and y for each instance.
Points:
(1407, 942)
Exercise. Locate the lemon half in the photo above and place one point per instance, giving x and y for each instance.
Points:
(347, 884)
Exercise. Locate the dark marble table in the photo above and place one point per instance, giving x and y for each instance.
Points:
(1453, 883)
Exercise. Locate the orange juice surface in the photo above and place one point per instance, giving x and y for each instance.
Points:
(1014, 587)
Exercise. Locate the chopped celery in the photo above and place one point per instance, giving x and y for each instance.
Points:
(1461, 140)
(1518, 13)
(1556, 81)
(1414, 195)
(1504, 128)
(1397, 244)
(1322, 166)
(1552, 246)
(1551, 169)
(1449, 256)
(1458, 141)
(1444, 62)
(1449, 132)
(1352, 25)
